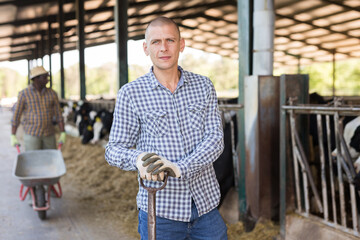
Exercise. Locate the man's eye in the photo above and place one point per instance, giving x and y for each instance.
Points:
(155, 42)
(171, 40)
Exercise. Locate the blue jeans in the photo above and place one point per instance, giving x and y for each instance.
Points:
(209, 226)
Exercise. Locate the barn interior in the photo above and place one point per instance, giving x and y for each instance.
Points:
(261, 35)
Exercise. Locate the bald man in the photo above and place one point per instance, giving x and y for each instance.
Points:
(171, 117)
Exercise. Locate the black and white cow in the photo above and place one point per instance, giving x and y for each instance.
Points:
(351, 135)
(98, 127)
(82, 116)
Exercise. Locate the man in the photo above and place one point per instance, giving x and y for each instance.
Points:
(172, 119)
(39, 107)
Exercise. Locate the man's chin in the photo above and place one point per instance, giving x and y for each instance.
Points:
(164, 67)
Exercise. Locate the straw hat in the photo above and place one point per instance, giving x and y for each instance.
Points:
(37, 71)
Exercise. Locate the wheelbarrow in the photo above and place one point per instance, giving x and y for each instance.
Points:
(39, 171)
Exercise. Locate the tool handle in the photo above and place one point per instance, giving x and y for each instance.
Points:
(152, 207)
(151, 215)
(155, 189)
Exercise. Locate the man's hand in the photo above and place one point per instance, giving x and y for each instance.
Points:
(157, 165)
(13, 140)
(62, 138)
(142, 169)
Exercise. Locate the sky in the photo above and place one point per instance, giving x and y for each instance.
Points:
(95, 57)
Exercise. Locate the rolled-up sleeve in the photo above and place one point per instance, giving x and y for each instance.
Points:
(19, 107)
(123, 135)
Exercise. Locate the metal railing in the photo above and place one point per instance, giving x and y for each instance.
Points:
(336, 192)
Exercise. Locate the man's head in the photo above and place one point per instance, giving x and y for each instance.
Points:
(39, 76)
(159, 21)
(163, 43)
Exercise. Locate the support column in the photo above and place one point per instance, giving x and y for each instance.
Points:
(264, 21)
(29, 67)
(61, 47)
(49, 43)
(245, 9)
(262, 146)
(290, 86)
(333, 73)
(121, 18)
(42, 47)
(81, 45)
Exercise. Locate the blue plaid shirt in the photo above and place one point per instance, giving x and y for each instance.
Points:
(184, 127)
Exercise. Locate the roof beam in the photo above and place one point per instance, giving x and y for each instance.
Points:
(345, 32)
(315, 26)
(22, 3)
(342, 5)
(71, 15)
(303, 41)
(206, 6)
(53, 17)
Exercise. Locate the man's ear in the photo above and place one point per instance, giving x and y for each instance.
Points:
(182, 44)
(145, 49)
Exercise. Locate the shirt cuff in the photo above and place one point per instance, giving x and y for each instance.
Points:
(134, 157)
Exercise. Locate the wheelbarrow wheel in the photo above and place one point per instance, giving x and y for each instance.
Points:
(40, 200)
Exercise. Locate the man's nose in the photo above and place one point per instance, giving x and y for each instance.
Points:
(164, 46)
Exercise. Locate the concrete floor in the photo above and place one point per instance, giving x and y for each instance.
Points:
(67, 219)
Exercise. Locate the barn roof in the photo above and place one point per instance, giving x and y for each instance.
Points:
(312, 30)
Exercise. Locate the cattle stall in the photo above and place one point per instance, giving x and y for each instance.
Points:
(324, 180)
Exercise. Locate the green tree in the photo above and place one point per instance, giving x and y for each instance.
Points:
(11, 82)
(136, 71)
(72, 82)
(347, 75)
(222, 71)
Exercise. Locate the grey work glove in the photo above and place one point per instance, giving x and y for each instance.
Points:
(141, 168)
(157, 165)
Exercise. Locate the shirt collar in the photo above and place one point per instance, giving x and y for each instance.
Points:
(155, 83)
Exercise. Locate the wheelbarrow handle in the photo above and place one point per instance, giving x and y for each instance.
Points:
(59, 146)
(17, 147)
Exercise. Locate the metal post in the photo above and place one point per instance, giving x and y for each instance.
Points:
(121, 18)
(333, 72)
(61, 47)
(49, 43)
(36, 53)
(339, 171)
(296, 166)
(331, 167)
(283, 146)
(81, 45)
(245, 12)
(322, 159)
(29, 67)
(42, 48)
